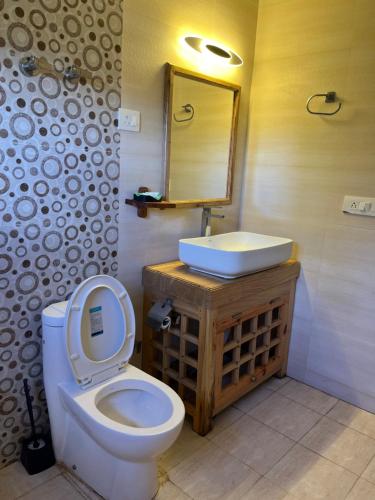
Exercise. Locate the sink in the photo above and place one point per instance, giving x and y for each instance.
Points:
(234, 254)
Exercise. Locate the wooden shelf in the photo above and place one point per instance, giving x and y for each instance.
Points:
(143, 206)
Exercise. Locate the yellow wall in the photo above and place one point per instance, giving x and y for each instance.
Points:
(299, 169)
(152, 30)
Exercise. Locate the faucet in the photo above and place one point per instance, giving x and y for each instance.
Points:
(206, 221)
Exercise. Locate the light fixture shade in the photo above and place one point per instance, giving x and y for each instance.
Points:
(213, 48)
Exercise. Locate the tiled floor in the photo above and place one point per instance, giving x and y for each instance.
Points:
(283, 441)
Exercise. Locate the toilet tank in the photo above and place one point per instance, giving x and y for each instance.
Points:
(56, 368)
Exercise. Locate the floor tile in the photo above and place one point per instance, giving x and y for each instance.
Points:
(340, 444)
(210, 473)
(169, 491)
(57, 488)
(187, 443)
(263, 489)
(360, 420)
(369, 472)
(15, 481)
(286, 416)
(223, 420)
(274, 383)
(253, 398)
(362, 490)
(306, 475)
(82, 487)
(307, 396)
(253, 443)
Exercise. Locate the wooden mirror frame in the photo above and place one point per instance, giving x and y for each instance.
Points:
(170, 72)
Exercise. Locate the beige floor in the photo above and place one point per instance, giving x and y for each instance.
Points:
(283, 441)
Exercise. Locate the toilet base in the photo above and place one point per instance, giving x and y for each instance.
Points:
(136, 481)
(112, 478)
(143, 484)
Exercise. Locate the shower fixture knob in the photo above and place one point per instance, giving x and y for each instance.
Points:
(72, 73)
(29, 65)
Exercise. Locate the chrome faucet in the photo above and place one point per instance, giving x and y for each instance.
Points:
(206, 221)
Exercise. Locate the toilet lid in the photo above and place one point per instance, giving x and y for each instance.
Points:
(99, 329)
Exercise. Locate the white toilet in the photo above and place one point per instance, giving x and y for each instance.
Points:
(109, 420)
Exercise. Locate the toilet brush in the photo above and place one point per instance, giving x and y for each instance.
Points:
(37, 452)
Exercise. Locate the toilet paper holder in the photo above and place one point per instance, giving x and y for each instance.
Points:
(158, 316)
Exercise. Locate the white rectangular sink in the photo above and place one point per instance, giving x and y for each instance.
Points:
(235, 254)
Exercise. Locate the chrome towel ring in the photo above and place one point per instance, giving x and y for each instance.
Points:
(188, 108)
(329, 98)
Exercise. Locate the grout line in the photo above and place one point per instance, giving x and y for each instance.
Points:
(308, 407)
(46, 482)
(260, 402)
(315, 452)
(295, 443)
(348, 426)
(282, 433)
(351, 489)
(178, 487)
(224, 428)
(329, 460)
(317, 390)
(298, 402)
(274, 465)
(343, 466)
(278, 388)
(75, 485)
(247, 465)
(37, 486)
(371, 481)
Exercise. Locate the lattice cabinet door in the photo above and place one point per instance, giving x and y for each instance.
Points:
(175, 357)
(248, 349)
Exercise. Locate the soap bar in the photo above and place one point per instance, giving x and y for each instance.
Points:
(148, 196)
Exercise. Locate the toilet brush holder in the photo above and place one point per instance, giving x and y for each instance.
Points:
(37, 454)
(37, 451)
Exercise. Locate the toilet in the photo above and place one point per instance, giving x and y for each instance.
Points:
(109, 420)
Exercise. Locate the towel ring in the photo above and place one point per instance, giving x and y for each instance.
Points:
(329, 98)
(188, 108)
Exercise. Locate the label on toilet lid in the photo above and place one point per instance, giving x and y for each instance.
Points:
(96, 321)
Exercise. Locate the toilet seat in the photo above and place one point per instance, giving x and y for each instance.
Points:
(99, 329)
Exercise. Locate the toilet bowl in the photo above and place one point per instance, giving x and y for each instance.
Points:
(109, 420)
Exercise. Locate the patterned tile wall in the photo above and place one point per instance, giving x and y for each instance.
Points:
(59, 170)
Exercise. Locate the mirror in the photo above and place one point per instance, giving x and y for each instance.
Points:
(201, 115)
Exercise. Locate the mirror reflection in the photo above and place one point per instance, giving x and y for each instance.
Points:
(201, 127)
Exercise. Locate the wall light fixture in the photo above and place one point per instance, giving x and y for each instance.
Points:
(211, 48)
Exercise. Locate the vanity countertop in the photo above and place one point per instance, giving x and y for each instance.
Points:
(207, 290)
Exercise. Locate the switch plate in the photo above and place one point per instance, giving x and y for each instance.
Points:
(359, 205)
(129, 120)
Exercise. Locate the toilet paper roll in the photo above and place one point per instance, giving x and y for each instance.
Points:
(158, 316)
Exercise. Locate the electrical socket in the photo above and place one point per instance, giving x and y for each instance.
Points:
(359, 205)
(129, 119)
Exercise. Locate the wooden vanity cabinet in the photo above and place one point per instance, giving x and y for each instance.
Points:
(226, 337)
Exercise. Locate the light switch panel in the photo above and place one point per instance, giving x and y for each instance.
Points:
(129, 119)
(359, 205)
